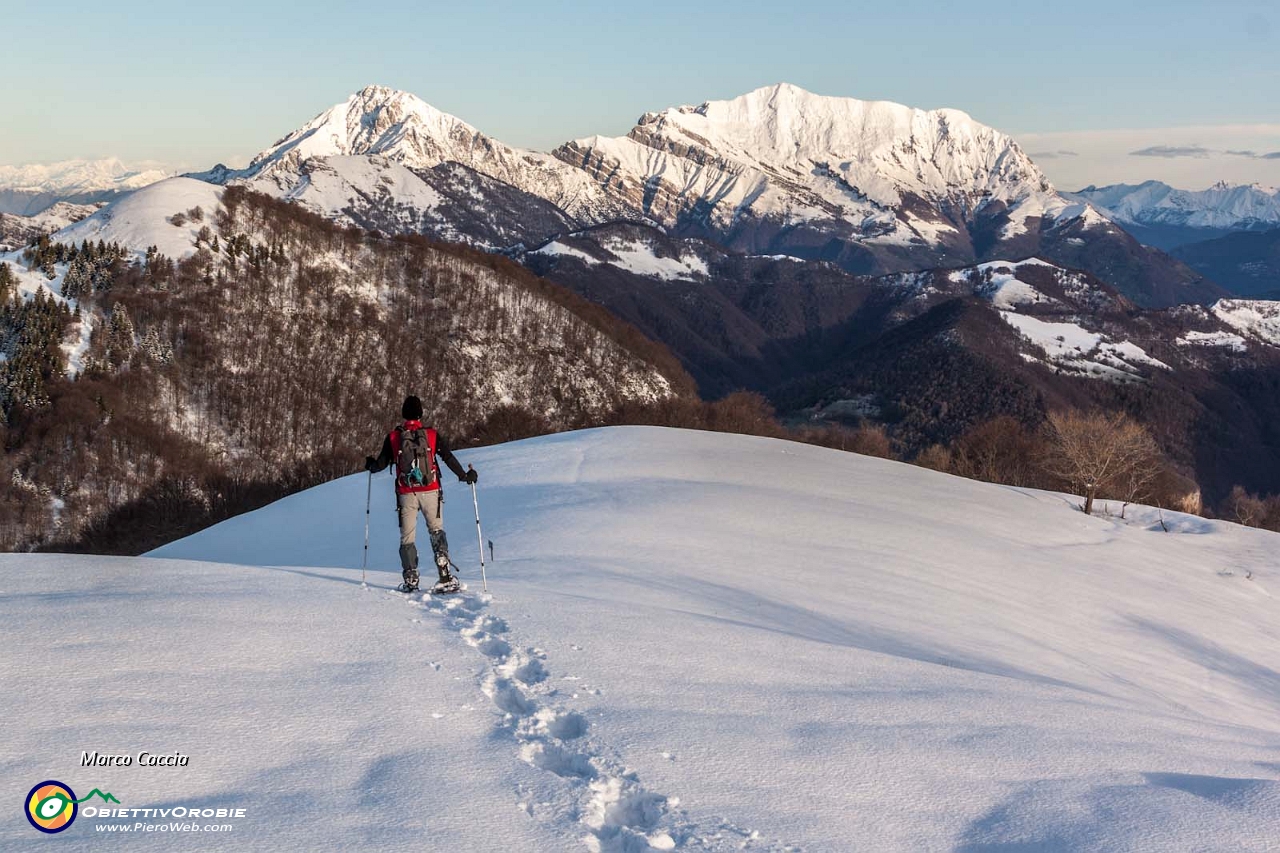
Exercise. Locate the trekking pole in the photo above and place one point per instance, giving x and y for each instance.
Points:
(479, 535)
(368, 498)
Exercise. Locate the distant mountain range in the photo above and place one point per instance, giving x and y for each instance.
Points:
(874, 187)
(1228, 233)
(1163, 216)
(30, 190)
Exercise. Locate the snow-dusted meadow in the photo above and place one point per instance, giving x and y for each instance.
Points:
(693, 641)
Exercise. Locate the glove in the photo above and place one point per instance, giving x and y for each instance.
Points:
(471, 477)
(370, 463)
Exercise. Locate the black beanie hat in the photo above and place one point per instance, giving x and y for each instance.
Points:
(412, 409)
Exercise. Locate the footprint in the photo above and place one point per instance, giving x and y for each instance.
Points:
(620, 814)
(530, 671)
(494, 647)
(565, 725)
(509, 698)
(556, 759)
(492, 624)
(472, 603)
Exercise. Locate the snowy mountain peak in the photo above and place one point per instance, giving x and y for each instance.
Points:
(887, 147)
(873, 170)
(804, 113)
(376, 120)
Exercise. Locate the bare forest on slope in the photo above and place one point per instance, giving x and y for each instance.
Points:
(273, 358)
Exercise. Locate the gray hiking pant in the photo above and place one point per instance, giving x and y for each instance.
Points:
(429, 504)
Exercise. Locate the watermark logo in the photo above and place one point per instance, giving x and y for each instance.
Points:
(52, 806)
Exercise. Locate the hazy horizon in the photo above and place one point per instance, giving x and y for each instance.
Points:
(1098, 93)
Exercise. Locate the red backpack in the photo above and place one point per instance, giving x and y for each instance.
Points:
(413, 448)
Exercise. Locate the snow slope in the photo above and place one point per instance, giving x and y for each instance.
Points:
(636, 256)
(141, 218)
(694, 641)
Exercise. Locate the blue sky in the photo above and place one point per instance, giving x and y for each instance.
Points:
(190, 86)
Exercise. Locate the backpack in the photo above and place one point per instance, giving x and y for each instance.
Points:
(415, 466)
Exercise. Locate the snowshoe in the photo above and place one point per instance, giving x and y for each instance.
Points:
(410, 583)
(447, 584)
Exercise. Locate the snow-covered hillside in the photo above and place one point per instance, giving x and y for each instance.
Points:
(146, 218)
(694, 641)
(1257, 318)
(1221, 206)
(17, 231)
(1059, 333)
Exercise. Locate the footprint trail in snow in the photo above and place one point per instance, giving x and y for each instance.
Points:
(586, 785)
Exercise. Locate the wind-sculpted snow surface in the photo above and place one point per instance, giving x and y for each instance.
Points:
(694, 642)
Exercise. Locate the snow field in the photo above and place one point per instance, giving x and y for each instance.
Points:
(1080, 351)
(338, 720)
(637, 257)
(694, 641)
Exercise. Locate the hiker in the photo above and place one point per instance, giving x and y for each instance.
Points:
(413, 449)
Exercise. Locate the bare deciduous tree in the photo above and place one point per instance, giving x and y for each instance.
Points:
(1000, 450)
(1246, 507)
(1104, 455)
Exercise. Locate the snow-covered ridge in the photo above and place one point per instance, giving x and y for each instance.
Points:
(1053, 325)
(1155, 203)
(779, 152)
(879, 147)
(375, 120)
(404, 130)
(782, 151)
